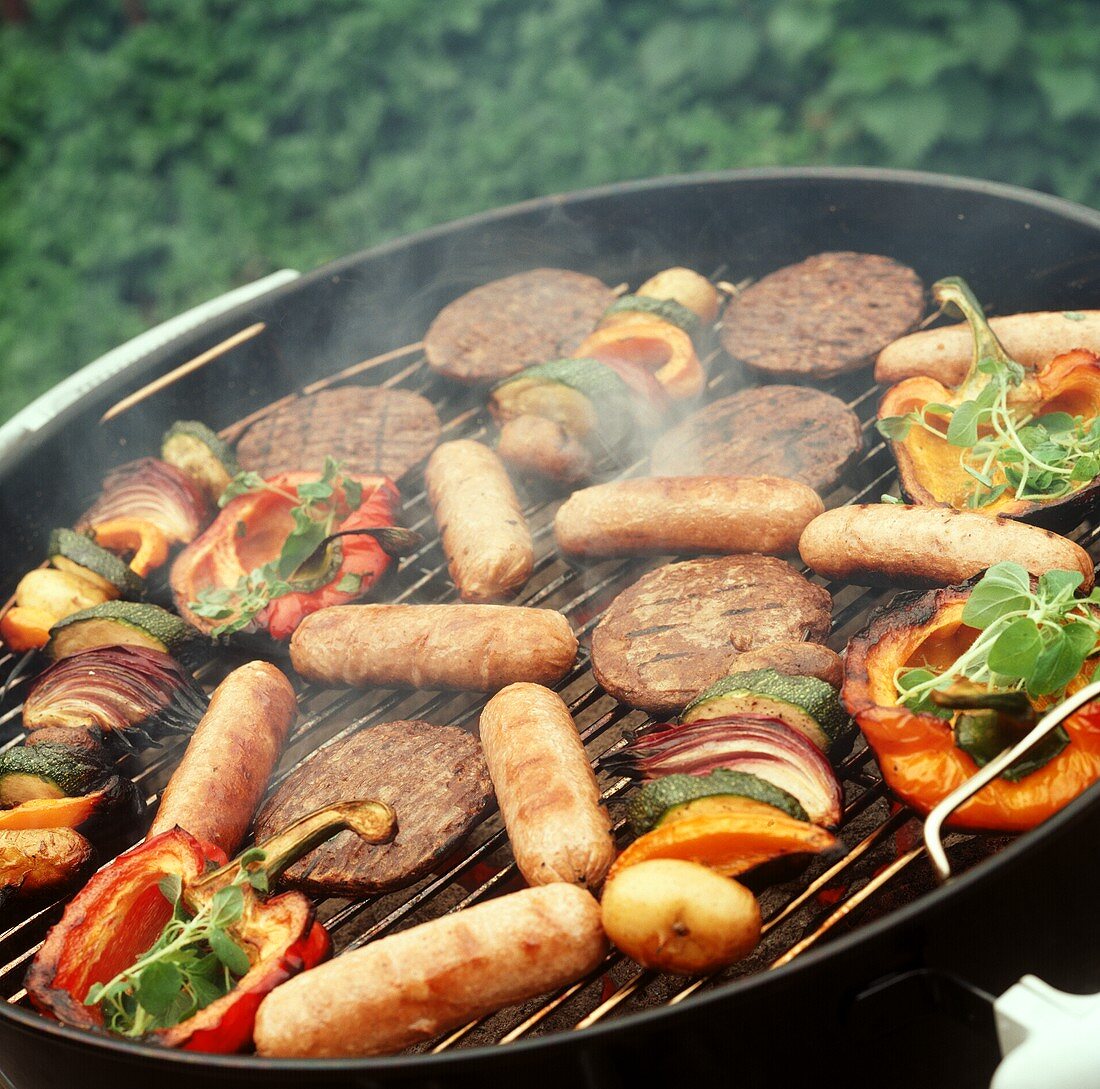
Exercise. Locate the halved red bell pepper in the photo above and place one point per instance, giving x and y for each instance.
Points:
(121, 912)
(250, 532)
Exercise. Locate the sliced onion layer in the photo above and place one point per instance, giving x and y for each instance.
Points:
(155, 491)
(127, 692)
(758, 744)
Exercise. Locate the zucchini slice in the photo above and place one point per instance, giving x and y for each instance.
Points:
(48, 771)
(659, 797)
(199, 452)
(127, 623)
(80, 555)
(666, 309)
(807, 704)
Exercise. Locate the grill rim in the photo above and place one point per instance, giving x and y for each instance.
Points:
(927, 906)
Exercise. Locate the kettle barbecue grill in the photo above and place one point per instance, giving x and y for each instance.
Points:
(867, 970)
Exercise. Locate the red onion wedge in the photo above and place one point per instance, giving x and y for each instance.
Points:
(759, 744)
(156, 491)
(127, 693)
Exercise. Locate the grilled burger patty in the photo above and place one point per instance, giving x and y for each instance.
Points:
(681, 627)
(434, 777)
(789, 431)
(826, 315)
(501, 327)
(368, 428)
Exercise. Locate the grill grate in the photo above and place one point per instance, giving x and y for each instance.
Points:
(879, 861)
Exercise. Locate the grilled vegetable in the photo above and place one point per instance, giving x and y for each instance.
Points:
(225, 945)
(1003, 441)
(687, 287)
(659, 346)
(642, 309)
(57, 786)
(125, 692)
(729, 843)
(681, 917)
(25, 629)
(57, 592)
(155, 491)
(77, 554)
(38, 860)
(146, 543)
(657, 799)
(751, 744)
(127, 623)
(208, 460)
(285, 548)
(85, 741)
(920, 640)
(807, 704)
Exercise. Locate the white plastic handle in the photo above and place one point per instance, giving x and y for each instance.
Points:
(1049, 1039)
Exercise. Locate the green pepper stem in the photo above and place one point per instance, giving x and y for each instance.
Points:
(953, 293)
(374, 821)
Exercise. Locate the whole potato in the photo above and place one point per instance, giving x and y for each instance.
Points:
(679, 916)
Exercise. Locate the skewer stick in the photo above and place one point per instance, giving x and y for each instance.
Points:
(182, 371)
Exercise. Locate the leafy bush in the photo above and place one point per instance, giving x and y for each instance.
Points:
(147, 163)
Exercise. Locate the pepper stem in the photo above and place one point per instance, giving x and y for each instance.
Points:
(953, 293)
(374, 821)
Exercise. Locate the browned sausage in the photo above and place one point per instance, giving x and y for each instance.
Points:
(546, 788)
(423, 981)
(478, 648)
(1033, 340)
(886, 544)
(687, 515)
(485, 538)
(230, 757)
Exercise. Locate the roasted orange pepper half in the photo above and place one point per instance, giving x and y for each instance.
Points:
(659, 346)
(916, 750)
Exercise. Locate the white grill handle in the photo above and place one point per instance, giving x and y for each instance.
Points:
(1049, 1039)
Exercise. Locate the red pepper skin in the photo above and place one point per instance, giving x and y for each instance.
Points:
(121, 912)
(223, 553)
(110, 923)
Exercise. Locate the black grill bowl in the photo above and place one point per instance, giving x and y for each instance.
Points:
(1029, 908)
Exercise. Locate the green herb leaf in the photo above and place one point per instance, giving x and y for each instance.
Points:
(895, 428)
(1073, 315)
(244, 483)
(158, 987)
(353, 493)
(1058, 584)
(350, 583)
(315, 490)
(1005, 588)
(963, 428)
(171, 887)
(1016, 650)
(226, 906)
(229, 952)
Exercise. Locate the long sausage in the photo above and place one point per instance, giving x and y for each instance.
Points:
(883, 544)
(485, 537)
(546, 789)
(686, 515)
(423, 981)
(478, 648)
(214, 792)
(1033, 340)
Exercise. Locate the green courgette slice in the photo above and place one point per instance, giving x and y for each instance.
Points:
(201, 454)
(658, 796)
(48, 771)
(80, 555)
(666, 309)
(127, 623)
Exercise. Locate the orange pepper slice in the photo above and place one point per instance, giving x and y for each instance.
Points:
(148, 542)
(659, 346)
(51, 812)
(25, 628)
(729, 843)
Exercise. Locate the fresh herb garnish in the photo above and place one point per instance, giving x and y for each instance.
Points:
(1003, 447)
(194, 962)
(315, 515)
(1033, 641)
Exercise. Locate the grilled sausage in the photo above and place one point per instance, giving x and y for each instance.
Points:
(478, 648)
(485, 538)
(885, 544)
(546, 789)
(423, 981)
(1031, 339)
(229, 759)
(686, 515)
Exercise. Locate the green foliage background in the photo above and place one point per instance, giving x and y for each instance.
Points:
(149, 161)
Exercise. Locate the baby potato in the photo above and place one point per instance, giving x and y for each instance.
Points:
(57, 592)
(686, 287)
(679, 916)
